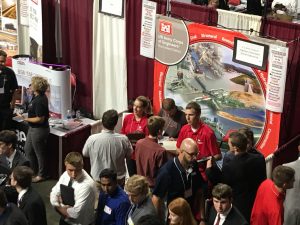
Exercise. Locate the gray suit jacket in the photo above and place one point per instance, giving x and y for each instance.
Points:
(145, 208)
(292, 200)
(19, 160)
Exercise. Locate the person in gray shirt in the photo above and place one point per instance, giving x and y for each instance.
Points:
(108, 149)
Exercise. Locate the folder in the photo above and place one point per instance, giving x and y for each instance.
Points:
(67, 195)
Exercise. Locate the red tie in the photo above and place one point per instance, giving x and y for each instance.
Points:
(218, 219)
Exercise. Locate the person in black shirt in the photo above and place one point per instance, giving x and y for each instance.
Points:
(173, 116)
(180, 177)
(36, 140)
(8, 87)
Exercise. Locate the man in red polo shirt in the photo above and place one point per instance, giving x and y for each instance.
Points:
(201, 133)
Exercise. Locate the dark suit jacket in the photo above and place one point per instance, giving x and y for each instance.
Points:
(33, 207)
(243, 173)
(13, 216)
(19, 160)
(233, 218)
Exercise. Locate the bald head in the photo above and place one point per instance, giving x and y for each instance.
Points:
(189, 145)
(188, 152)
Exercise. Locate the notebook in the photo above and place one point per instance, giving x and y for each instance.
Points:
(67, 195)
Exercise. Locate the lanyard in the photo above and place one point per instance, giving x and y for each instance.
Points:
(187, 176)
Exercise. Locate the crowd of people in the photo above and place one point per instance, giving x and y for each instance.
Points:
(187, 188)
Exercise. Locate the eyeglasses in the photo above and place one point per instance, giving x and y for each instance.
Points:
(194, 154)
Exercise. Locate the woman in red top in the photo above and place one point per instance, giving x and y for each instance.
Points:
(136, 123)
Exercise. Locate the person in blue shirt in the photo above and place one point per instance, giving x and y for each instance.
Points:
(113, 202)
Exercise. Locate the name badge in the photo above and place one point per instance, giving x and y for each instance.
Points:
(129, 221)
(2, 90)
(188, 193)
(107, 209)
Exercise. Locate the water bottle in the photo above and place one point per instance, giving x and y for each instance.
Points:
(78, 115)
(69, 114)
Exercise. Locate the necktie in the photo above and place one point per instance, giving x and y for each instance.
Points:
(218, 219)
(9, 164)
(133, 207)
(19, 201)
(70, 182)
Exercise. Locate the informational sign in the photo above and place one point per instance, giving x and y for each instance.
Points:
(59, 95)
(24, 18)
(231, 95)
(172, 40)
(148, 29)
(250, 53)
(36, 29)
(276, 78)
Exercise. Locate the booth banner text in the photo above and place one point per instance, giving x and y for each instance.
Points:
(36, 29)
(148, 29)
(231, 95)
(276, 78)
(59, 96)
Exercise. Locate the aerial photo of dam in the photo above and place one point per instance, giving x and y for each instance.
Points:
(230, 94)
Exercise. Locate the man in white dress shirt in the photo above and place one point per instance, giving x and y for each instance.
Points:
(82, 212)
(108, 149)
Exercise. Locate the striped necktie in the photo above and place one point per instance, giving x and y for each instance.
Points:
(218, 219)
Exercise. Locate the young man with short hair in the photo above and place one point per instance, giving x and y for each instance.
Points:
(201, 133)
(82, 212)
(173, 116)
(150, 155)
(113, 202)
(29, 201)
(244, 173)
(108, 149)
(222, 211)
(268, 205)
(8, 153)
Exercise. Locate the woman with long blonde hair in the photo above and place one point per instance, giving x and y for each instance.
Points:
(180, 213)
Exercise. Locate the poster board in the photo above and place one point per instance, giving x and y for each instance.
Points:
(231, 95)
(9, 27)
(58, 77)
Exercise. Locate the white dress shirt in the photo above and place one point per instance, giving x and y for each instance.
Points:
(85, 191)
(222, 216)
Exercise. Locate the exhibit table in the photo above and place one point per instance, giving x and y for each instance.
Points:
(60, 142)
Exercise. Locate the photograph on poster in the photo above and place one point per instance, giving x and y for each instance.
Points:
(9, 16)
(230, 94)
(9, 43)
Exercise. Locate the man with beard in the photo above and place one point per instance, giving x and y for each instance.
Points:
(180, 177)
(8, 87)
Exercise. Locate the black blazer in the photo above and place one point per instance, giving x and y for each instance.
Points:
(244, 173)
(12, 215)
(33, 207)
(233, 218)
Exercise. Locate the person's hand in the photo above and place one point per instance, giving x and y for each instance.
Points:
(210, 162)
(21, 116)
(12, 105)
(202, 222)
